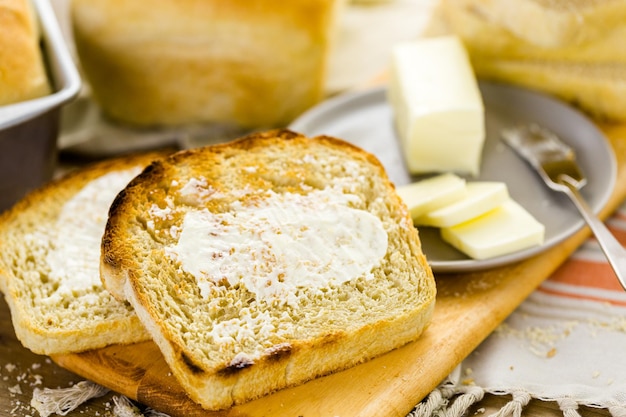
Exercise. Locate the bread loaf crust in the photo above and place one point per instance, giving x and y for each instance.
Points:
(212, 374)
(21, 61)
(485, 39)
(245, 63)
(587, 72)
(554, 23)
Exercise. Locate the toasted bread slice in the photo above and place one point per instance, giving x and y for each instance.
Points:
(265, 262)
(49, 262)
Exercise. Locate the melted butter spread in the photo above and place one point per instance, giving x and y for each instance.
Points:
(281, 243)
(74, 261)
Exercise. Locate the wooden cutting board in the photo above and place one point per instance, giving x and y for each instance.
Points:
(469, 307)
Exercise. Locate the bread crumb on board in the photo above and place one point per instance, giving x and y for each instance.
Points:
(17, 382)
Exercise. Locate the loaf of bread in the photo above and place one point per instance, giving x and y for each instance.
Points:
(598, 90)
(253, 64)
(22, 71)
(265, 262)
(49, 263)
(581, 65)
(554, 23)
(485, 39)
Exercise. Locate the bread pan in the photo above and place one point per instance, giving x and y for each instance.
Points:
(29, 129)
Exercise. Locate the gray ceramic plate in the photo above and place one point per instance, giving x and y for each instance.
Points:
(365, 119)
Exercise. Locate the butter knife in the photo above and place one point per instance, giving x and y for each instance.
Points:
(555, 162)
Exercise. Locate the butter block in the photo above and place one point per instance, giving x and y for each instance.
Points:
(482, 196)
(437, 106)
(432, 193)
(506, 229)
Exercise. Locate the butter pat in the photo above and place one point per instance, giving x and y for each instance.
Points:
(508, 228)
(432, 193)
(481, 197)
(437, 106)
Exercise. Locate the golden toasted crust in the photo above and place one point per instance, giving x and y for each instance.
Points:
(246, 63)
(220, 348)
(46, 321)
(22, 72)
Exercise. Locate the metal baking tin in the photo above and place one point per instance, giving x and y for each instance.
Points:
(29, 129)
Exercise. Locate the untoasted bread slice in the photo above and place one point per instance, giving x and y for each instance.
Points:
(482, 36)
(555, 23)
(593, 85)
(49, 262)
(267, 261)
(598, 90)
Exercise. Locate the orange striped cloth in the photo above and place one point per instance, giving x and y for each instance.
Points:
(587, 275)
(565, 343)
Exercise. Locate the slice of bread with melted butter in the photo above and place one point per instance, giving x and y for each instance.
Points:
(50, 257)
(265, 262)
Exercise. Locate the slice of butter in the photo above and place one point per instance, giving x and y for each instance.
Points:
(437, 106)
(506, 229)
(482, 196)
(432, 193)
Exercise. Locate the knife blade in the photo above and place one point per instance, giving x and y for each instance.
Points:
(550, 156)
